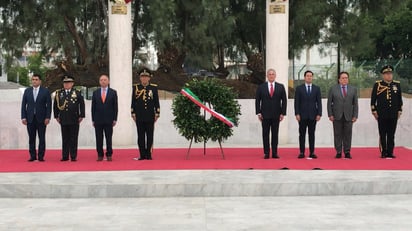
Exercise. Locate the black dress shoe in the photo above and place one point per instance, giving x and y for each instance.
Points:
(348, 156)
(64, 159)
(41, 160)
(73, 160)
(390, 156)
(383, 155)
(100, 158)
(301, 156)
(313, 156)
(109, 158)
(31, 160)
(338, 155)
(275, 156)
(266, 157)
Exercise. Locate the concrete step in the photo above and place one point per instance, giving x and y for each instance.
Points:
(203, 183)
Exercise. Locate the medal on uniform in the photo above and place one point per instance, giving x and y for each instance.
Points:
(150, 93)
(395, 88)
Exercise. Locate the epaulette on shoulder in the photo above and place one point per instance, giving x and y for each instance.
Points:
(152, 84)
(396, 81)
(378, 81)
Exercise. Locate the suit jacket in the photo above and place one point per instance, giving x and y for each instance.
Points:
(145, 102)
(308, 106)
(343, 107)
(104, 113)
(68, 107)
(42, 106)
(271, 107)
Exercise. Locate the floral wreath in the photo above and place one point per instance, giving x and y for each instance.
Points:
(194, 123)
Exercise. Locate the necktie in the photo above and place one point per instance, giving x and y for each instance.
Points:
(35, 94)
(103, 94)
(344, 91)
(308, 89)
(271, 90)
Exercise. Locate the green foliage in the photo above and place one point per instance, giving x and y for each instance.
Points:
(306, 20)
(193, 123)
(35, 65)
(19, 75)
(398, 31)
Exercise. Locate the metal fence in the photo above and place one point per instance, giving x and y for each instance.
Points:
(362, 74)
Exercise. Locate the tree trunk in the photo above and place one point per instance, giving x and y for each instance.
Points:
(80, 44)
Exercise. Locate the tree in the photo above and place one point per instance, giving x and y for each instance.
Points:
(307, 19)
(77, 29)
(197, 30)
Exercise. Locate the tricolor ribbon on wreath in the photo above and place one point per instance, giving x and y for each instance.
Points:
(190, 95)
(121, 1)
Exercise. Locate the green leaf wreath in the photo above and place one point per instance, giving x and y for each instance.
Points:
(191, 120)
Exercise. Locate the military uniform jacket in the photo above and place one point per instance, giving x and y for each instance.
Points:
(145, 102)
(386, 99)
(68, 107)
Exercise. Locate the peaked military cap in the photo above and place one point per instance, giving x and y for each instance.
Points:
(387, 68)
(145, 72)
(68, 78)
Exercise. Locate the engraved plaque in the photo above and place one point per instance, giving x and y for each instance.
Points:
(119, 9)
(277, 9)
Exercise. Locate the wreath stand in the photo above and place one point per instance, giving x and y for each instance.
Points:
(204, 149)
(204, 144)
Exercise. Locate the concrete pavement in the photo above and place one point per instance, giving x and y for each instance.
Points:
(379, 212)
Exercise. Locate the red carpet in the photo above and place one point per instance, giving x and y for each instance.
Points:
(236, 158)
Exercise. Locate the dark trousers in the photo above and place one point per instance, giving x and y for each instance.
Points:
(36, 128)
(270, 125)
(342, 131)
(387, 129)
(70, 134)
(107, 129)
(310, 125)
(145, 138)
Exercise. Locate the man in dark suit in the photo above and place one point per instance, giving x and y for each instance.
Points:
(35, 114)
(69, 111)
(343, 112)
(386, 106)
(270, 107)
(104, 116)
(145, 111)
(308, 110)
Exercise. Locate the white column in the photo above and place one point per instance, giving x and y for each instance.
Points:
(120, 51)
(3, 77)
(277, 36)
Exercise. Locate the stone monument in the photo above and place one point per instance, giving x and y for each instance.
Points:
(120, 51)
(277, 36)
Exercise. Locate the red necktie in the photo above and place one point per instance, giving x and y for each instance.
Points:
(344, 91)
(271, 90)
(104, 95)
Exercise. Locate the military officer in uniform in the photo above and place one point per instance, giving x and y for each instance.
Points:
(386, 106)
(69, 111)
(145, 111)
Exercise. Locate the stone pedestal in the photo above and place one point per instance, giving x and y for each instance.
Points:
(120, 50)
(277, 36)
